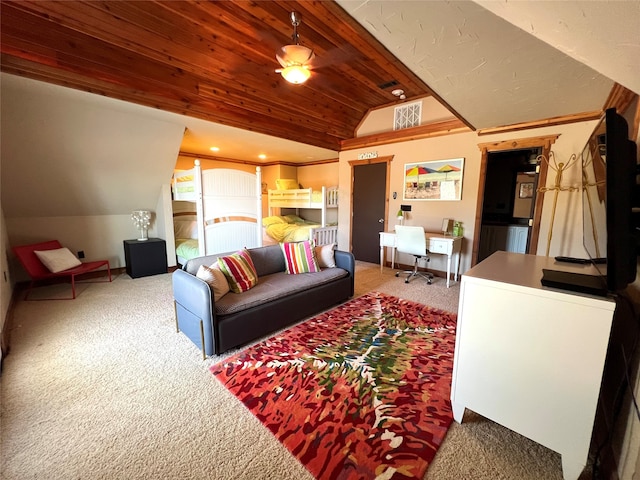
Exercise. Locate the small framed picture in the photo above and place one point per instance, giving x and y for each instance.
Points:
(526, 190)
(447, 226)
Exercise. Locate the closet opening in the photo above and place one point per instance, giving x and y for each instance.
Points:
(509, 198)
(509, 208)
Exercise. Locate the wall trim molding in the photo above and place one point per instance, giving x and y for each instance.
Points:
(254, 163)
(549, 122)
(447, 127)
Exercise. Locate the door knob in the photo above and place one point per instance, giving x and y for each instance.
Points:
(381, 220)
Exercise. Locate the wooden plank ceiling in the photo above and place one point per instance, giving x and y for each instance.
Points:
(210, 60)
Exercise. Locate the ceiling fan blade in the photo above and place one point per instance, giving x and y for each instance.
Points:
(335, 56)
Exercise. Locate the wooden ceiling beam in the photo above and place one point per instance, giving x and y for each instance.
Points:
(87, 47)
(211, 60)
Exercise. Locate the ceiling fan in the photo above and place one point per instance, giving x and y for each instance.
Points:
(295, 59)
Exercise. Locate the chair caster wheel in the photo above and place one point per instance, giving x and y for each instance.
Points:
(397, 275)
(406, 281)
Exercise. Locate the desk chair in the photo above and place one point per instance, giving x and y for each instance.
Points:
(412, 240)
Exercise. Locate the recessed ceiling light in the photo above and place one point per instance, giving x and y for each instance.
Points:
(214, 149)
(262, 156)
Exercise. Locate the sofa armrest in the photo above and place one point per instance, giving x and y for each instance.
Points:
(193, 294)
(347, 261)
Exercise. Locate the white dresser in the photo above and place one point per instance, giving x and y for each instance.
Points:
(529, 357)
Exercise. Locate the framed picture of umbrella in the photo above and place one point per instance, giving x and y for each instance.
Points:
(433, 180)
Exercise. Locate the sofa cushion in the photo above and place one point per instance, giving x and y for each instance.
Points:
(239, 270)
(299, 257)
(215, 279)
(274, 286)
(267, 260)
(325, 256)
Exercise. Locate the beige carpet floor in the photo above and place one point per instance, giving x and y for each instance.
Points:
(102, 387)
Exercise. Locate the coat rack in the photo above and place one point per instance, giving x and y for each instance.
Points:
(557, 187)
(587, 186)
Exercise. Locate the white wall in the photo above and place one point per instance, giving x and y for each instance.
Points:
(567, 230)
(75, 165)
(100, 237)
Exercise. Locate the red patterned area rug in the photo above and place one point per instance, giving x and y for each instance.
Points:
(358, 392)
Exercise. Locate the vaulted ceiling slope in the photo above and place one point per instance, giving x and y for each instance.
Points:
(210, 60)
(489, 70)
(491, 63)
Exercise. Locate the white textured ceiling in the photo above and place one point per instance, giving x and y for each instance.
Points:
(490, 71)
(604, 35)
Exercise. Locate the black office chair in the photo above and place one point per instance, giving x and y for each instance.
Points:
(412, 240)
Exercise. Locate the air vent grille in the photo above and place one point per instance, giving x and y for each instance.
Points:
(384, 86)
(407, 116)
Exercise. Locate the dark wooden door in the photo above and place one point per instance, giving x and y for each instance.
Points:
(369, 197)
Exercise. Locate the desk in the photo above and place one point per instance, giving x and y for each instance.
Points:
(436, 243)
(530, 357)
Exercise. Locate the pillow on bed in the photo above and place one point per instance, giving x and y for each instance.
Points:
(239, 270)
(286, 184)
(294, 219)
(272, 220)
(325, 256)
(299, 257)
(58, 259)
(216, 280)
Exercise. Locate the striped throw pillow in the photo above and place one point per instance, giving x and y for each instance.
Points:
(299, 257)
(239, 270)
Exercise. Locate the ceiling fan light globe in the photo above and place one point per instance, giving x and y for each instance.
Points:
(295, 74)
(294, 55)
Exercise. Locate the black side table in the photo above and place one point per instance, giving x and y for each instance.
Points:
(145, 257)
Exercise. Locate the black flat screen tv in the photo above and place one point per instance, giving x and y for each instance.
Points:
(608, 182)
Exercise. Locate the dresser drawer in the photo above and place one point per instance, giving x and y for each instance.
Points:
(439, 246)
(387, 239)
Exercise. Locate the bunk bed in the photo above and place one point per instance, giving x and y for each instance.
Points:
(185, 229)
(279, 228)
(228, 211)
